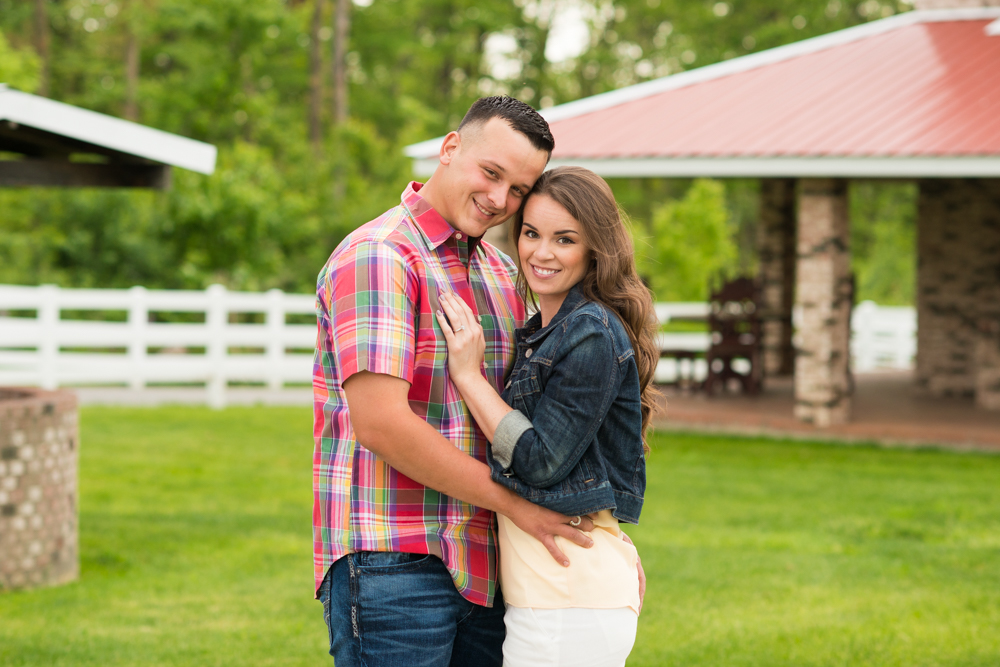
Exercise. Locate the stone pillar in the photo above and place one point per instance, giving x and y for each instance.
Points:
(823, 294)
(38, 488)
(958, 289)
(776, 250)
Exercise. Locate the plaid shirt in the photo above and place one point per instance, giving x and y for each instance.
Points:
(377, 296)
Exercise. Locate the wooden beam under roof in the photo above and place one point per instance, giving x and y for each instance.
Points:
(62, 173)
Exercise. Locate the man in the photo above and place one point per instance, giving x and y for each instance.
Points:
(404, 541)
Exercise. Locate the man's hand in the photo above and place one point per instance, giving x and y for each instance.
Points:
(642, 573)
(544, 525)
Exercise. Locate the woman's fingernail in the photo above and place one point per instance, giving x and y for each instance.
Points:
(439, 312)
(565, 563)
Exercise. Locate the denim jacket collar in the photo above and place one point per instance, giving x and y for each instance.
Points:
(533, 332)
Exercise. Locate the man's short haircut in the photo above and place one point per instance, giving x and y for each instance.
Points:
(518, 115)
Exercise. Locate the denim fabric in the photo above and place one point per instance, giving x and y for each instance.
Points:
(387, 609)
(578, 383)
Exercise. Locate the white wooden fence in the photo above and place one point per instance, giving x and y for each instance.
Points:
(52, 337)
(48, 350)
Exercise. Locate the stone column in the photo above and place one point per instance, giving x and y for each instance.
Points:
(38, 488)
(958, 289)
(776, 250)
(823, 293)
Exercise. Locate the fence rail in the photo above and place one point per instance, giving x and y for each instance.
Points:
(139, 338)
(44, 347)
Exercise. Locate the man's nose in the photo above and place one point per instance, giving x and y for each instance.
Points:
(498, 197)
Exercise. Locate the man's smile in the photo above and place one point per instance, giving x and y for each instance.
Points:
(483, 210)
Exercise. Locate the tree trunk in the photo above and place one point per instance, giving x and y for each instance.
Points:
(42, 45)
(316, 77)
(341, 35)
(132, 75)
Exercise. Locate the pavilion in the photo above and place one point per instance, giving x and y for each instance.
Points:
(916, 97)
(67, 146)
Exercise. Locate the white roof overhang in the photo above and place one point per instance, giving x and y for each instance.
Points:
(104, 132)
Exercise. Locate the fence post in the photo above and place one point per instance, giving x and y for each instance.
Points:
(275, 341)
(48, 340)
(138, 321)
(216, 320)
(864, 343)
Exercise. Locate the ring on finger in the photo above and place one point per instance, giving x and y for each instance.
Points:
(576, 522)
(461, 328)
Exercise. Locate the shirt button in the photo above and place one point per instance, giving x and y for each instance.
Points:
(458, 235)
(527, 354)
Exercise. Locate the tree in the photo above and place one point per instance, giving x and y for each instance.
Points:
(19, 68)
(250, 76)
(690, 243)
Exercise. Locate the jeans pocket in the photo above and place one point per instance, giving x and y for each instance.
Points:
(324, 597)
(377, 563)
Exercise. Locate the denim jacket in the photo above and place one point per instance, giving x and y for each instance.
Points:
(573, 443)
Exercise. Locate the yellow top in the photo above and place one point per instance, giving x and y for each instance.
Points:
(605, 576)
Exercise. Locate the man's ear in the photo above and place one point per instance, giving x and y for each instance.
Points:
(449, 147)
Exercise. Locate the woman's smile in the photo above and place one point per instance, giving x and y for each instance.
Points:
(553, 252)
(544, 273)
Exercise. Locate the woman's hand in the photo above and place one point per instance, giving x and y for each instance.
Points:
(466, 343)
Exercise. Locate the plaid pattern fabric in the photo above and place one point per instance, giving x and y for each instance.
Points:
(377, 296)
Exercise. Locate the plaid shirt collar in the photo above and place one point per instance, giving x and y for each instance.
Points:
(434, 228)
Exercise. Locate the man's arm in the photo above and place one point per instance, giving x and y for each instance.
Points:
(385, 425)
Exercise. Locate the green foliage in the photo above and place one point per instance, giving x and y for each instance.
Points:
(19, 68)
(195, 542)
(236, 73)
(690, 243)
(883, 241)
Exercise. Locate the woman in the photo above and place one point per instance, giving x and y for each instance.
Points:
(567, 432)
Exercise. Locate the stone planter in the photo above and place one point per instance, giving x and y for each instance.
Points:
(39, 441)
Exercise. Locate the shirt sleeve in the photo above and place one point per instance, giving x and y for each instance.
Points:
(372, 312)
(579, 392)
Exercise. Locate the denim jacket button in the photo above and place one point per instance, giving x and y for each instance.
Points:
(527, 353)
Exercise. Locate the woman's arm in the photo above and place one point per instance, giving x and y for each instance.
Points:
(466, 350)
(581, 386)
(578, 394)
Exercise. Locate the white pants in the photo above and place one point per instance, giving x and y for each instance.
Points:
(568, 637)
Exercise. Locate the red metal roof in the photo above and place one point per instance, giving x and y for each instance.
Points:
(914, 95)
(930, 89)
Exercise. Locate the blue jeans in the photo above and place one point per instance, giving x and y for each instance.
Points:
(384, 609)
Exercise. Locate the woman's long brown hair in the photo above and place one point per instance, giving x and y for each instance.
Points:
(611, 277)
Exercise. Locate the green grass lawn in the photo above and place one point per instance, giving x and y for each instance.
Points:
(195, 541)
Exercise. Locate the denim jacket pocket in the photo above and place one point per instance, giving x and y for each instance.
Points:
(524, 392)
